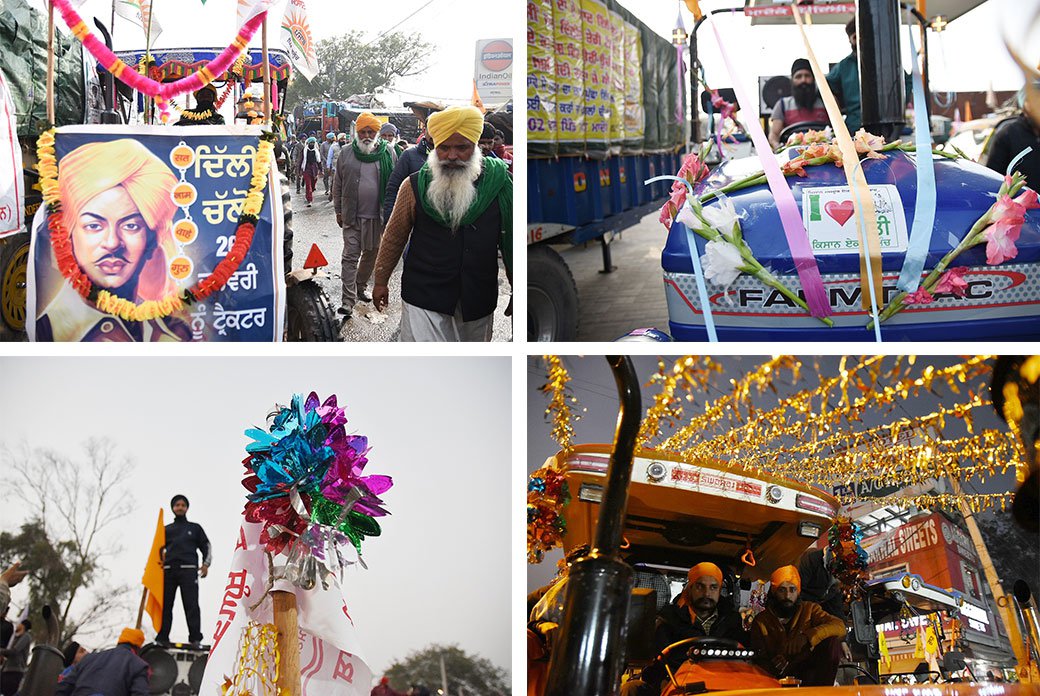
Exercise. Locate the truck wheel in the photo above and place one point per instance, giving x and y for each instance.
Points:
(552, 297)
(14, 265)
(309, 314)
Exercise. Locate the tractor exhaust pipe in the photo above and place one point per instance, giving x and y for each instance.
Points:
(1027, 611)
(590, 656)
(877, 35)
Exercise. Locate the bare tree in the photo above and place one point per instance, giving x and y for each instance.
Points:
(75, 504)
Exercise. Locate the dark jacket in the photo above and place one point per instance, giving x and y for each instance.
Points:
(18, 654)
(410, 161)
(674, 624)
(115, 672)
(1009, 138)
(184, 541)
(770, 637)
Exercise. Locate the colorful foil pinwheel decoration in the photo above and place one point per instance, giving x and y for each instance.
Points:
(848, 560)
(306, 487)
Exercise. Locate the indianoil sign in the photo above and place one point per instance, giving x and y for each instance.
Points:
(493, 71)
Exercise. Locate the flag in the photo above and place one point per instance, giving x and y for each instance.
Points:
(247, 9)
(153, 575)
(476, 99)
(883, 648)
(330, 653)
(931, 641)
(140, 13)
(694, 7)
(919, 643)
(296, 39)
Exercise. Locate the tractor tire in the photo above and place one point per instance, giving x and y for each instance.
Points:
(309, 315)
(552, 297)
(287, 224)
(14, 267)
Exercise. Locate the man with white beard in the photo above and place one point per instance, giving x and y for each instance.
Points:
(362, 170)
(455, 214)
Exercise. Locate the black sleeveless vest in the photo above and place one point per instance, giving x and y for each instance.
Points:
(443, 268)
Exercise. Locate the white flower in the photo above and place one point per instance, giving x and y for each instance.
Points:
(721, 262)
(721, 216)
(689, 218)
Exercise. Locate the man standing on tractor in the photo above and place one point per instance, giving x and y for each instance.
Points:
(184, 541)
(362, 171)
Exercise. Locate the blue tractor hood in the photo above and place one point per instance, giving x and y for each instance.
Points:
(1002, 301)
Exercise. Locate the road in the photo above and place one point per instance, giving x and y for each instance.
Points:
(317, 225)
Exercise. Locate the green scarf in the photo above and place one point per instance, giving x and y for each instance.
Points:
(386, 163)
(494, 183)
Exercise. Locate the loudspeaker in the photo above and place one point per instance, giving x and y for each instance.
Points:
(770, 91)
(176, 670)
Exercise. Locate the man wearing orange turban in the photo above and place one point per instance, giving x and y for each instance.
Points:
(117, 213)
(118, 671)
(358, 187)
(697, 612)
(456, 215)
(793, 637)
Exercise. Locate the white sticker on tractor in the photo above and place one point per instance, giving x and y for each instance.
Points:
(830, 219)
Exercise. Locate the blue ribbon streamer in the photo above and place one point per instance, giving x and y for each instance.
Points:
(1018, 158)
(698, 272)
(924, 206)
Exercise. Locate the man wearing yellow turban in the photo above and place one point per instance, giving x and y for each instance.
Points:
(117, 212)
(456, 215)
(358, 187)
(696, 612)
(794, 637)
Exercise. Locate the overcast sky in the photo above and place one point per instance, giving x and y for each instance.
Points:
(593, 385)
(968, 55)
(452, 26)
(439, 426)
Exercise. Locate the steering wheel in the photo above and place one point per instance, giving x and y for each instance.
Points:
(801, 127)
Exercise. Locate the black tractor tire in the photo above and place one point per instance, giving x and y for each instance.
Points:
(309, 315)
(287, 223)
(14, 268)
(552, 297)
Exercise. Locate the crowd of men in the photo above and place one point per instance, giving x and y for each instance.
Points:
(444, 203)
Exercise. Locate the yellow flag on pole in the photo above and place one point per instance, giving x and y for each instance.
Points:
(919, 643)
(883, 648)
(477, 102)
(153, 576)
(694, 7)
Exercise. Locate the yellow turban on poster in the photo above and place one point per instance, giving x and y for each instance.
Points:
(784, 574)
(92, 169)
(467, 121)
(367, 120)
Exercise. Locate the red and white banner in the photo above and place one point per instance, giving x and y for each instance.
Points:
(330, 652)
(12, 183)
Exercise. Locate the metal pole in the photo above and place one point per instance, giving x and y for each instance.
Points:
(882, 102)
(695, 128)
(589, 657)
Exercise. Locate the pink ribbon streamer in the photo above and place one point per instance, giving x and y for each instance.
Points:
(146, 85)
(790, 217)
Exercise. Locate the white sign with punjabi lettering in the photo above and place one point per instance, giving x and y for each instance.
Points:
(830, 219)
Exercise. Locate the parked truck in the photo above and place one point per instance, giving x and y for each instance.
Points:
(605, 112)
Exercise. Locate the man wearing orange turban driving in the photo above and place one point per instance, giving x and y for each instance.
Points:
(793, 637)
(696, 612)
(455, 214)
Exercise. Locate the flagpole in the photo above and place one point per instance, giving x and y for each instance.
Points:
(150, 108)
(50, 63)
(267, 72)
(112, 25)
(287, 625)
(140, 609)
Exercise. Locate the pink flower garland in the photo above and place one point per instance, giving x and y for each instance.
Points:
(146, 85)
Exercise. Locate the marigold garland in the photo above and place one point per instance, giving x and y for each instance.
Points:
(105, 301)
